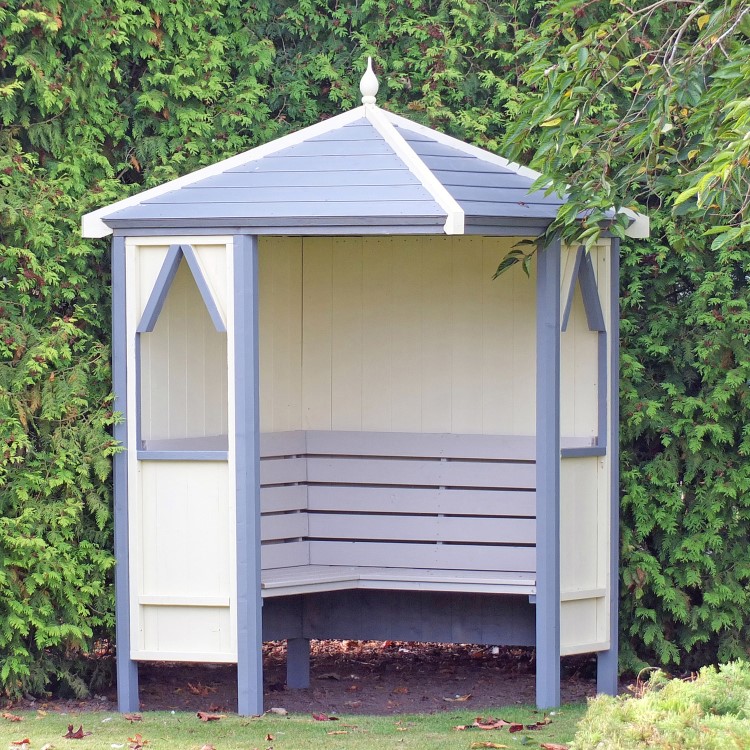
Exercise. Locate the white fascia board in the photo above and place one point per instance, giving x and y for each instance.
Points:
(466, 148)
(640, 225)
(93, 226)
(379, 119)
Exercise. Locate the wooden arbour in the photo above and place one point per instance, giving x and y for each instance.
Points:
(323, 385)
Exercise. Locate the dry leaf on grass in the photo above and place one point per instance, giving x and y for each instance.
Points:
(79, 734)
(554, 746)
(490, 723)
(19, 743)
(48, 746)
(278, 711)
(133, 717)
(458, 698)
(200, 689)
(324, 717)
(137, 742)
(269, 738)
(486, 744)
(338, 731)
(208, 747)
(203, 716)
(12, 717)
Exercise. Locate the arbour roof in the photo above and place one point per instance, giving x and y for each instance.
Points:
(364, 171)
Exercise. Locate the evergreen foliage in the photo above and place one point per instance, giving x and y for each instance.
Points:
(100, 99)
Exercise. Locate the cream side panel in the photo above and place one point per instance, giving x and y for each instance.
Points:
(346, 333)
(437, 322)
(412, 334)
(406, 335)
(580, 627)
(184, 633)
(523, 382)
(467, 336)
(317, 311)
(185, 523)
(377, 324)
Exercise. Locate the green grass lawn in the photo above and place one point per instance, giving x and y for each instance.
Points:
(183, 731)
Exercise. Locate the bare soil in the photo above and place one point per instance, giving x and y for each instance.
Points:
(363, 677)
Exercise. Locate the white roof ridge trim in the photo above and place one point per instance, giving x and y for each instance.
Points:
(379, 119)
(467, 148)
(93, 226)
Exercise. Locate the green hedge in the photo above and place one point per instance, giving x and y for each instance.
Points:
(100, 99)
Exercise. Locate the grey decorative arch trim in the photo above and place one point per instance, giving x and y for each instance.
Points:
(164, 282)
(583, 273)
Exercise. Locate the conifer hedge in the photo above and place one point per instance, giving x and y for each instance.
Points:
(100, 99)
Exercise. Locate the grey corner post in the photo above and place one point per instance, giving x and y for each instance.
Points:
(607, 671)
(298, 663)
(548, 475)
(247, 441)
(127, 669)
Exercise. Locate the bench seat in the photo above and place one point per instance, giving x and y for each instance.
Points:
(307, 579)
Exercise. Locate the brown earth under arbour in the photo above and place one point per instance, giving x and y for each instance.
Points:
(362, 677)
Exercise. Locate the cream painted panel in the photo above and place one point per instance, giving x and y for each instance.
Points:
(212, 259)
(184, 368)
(176, 633)
(437, 323)
(148, 259)
(185, 521)
(580, 630)
(317, 311)
(377, 323)
(467, 337)
(567, 265)
(280, 324)
(413, 335)
(346, 333)
(579, 523)
(523, 382)
(406, 335)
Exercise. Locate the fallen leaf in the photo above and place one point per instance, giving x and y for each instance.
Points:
(24, 741)
(324, 717)
(486, 744)
(491, 723)
(133, 717)
(515, 727)
(458, 698)
(78, 735)
(269, 738)
(338, 731)
(353, 688)
(203, 716)
(278, 711)
(329, 676)
(461, 727)
(554, 746)
(41, 714)
(12, 717)
(48, 746)
(401, 690)
(208, 747)
(137, 742)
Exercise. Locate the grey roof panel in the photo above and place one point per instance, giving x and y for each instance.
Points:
(316, 179)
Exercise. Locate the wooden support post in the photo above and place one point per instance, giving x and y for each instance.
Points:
(607, 670)
(298, 662)
(548, 475)
(127, 669)
(247, 441)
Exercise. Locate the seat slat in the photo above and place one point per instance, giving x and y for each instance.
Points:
(421, 528)
(477, 502)
(405, 555)
(420, 472)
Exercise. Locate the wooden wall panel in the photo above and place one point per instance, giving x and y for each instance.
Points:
(413, 335)
(184, 368)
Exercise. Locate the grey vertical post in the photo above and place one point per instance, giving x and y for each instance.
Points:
(548, 476)
(247, 441)
(607, 672)
(298, 663)
(127, 669)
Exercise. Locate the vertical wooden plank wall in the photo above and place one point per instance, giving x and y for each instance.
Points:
(181, 542)
(396, 334)
(585, 484)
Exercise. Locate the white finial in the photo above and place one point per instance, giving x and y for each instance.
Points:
(369, 84)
